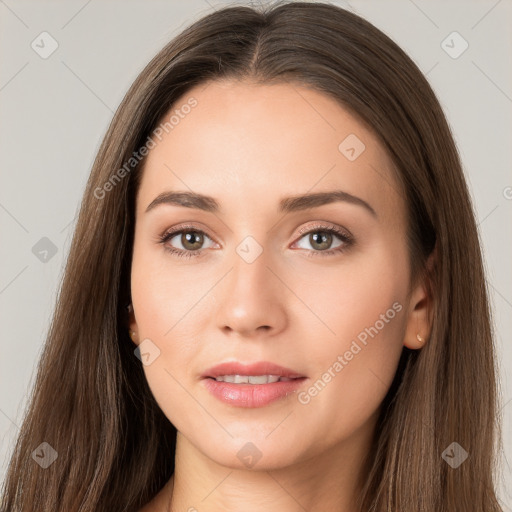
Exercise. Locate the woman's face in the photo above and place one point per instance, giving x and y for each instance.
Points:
(254, 273)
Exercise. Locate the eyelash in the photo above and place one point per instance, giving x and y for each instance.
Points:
(341, 234)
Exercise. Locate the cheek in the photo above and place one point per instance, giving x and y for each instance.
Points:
(166, 295)
(355, 295)
(365, 307)
(170, 314)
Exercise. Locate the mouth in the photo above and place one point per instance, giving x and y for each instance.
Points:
(251, 379)
(253, 385)
(239, 373)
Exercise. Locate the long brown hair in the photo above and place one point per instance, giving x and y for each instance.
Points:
(91, 401)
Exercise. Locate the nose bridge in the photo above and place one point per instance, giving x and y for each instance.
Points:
(251, 277)
(253, 296)
(250, 264)
(252, 248)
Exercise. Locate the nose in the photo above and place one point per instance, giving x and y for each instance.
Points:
(253, 299)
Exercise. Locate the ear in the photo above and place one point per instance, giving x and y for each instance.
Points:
(421, 306)
(132, 326)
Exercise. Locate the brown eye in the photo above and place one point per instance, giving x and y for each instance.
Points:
(185, 242)
(320, 240)
(191, 240)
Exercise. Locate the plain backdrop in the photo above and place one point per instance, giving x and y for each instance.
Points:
(56, 108)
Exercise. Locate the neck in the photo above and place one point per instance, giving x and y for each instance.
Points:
(330, 480)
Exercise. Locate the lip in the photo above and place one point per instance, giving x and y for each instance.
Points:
(259, 368)
(251, 395)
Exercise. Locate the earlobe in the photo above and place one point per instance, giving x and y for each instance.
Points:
(132, 328)
(133, 336)
(418, 327)
(419, 323)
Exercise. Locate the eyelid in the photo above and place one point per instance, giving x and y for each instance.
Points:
(301, 231)
(186, 227)
(318, 225)
(342, 233)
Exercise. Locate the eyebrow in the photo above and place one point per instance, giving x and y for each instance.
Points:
(286, 205)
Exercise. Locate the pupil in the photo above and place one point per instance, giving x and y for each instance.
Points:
(192, 238)
(325, 238)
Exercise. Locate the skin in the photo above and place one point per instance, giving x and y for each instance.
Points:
(248, 146)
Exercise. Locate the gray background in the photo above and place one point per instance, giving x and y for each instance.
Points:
(55, 111)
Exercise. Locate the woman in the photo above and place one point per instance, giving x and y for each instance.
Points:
(275, 295)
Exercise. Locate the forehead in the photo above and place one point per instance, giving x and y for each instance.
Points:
(249, 145)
